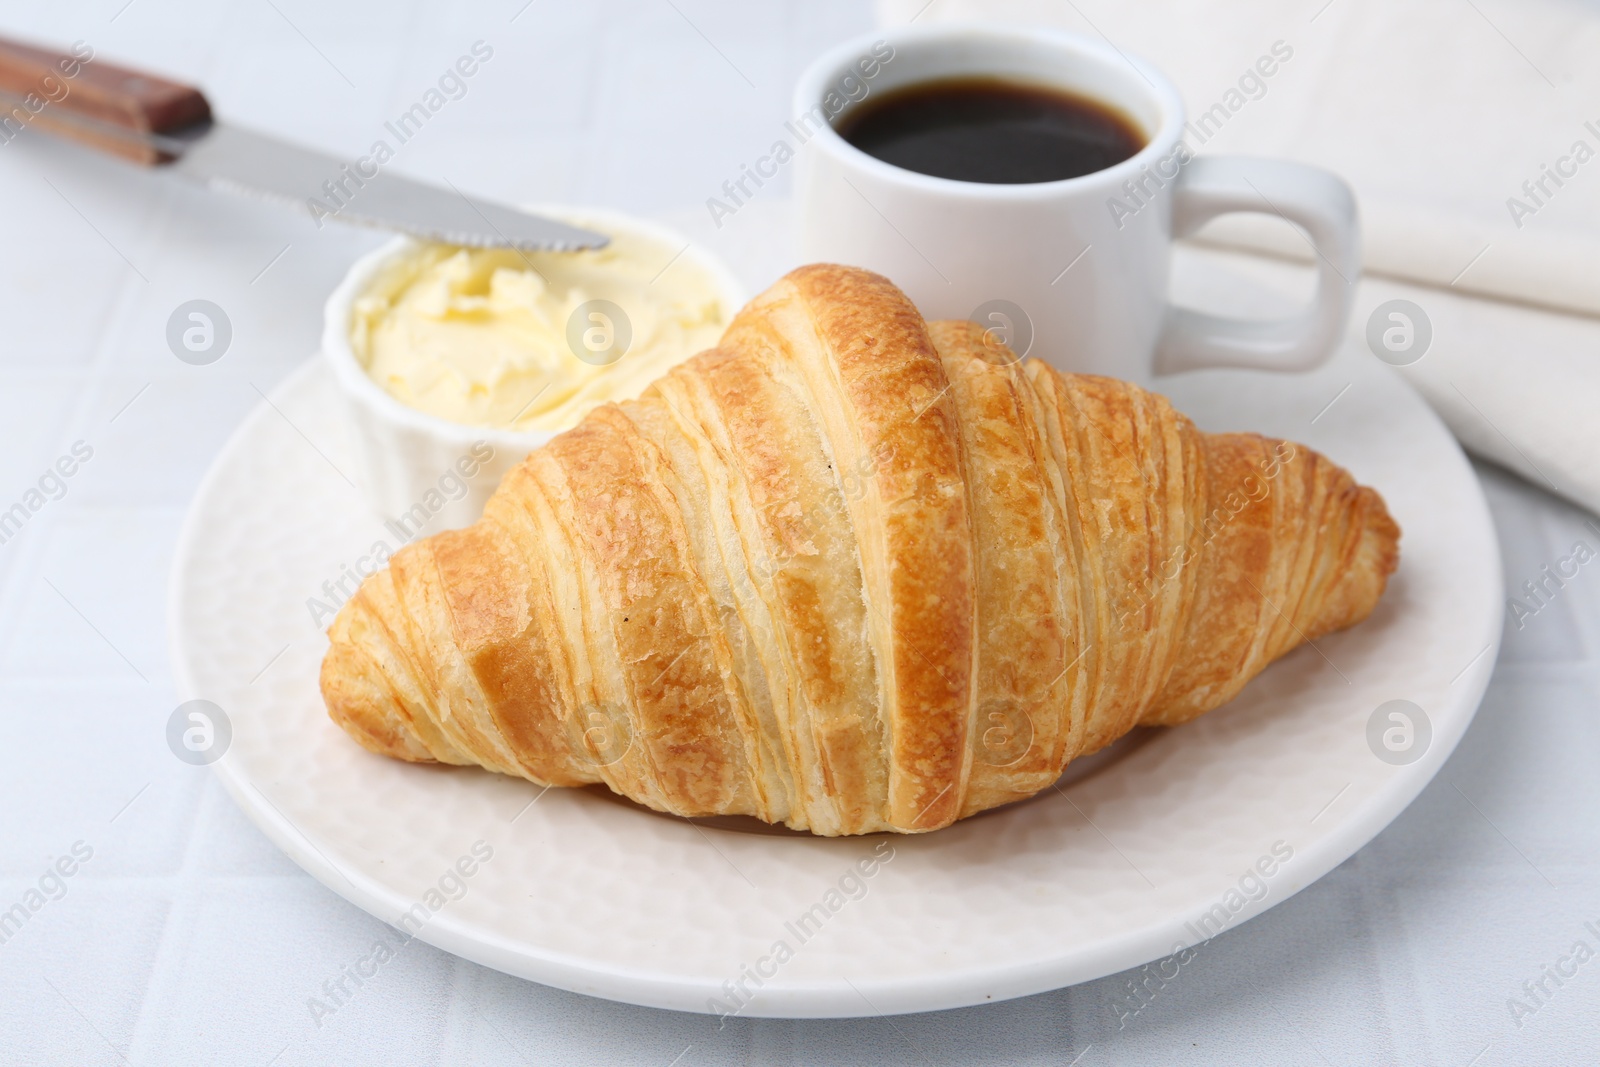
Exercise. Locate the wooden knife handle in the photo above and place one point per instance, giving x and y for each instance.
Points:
(74, 94)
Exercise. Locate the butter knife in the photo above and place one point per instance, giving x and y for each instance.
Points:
(154, 122)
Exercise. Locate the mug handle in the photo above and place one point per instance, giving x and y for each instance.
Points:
(1317, 201)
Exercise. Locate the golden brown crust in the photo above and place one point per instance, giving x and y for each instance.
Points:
(816, 617)
(1026, 642)
(488, 590)
(853, 572)
(913, 514)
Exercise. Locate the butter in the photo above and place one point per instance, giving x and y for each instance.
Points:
(533, 341)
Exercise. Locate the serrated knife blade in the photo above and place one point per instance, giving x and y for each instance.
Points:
(255, 164)
(161, 123)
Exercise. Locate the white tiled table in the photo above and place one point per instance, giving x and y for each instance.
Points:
(187, 938)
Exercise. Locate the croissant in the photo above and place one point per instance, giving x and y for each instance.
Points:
(852, 572)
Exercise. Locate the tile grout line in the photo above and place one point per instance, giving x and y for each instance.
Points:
(178, 926)
(77, 425)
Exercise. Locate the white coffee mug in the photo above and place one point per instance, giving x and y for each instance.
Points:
(1072, 271)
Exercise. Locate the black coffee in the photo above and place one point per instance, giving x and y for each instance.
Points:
(990, 130)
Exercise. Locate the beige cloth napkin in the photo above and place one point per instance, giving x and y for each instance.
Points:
(1470, 130)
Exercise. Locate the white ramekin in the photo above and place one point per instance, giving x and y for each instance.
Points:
(408, 460)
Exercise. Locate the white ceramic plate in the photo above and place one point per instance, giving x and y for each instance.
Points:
(1147, 849)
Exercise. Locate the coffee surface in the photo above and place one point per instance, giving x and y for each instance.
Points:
(992, 131)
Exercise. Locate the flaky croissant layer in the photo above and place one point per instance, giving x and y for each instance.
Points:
(852, 572)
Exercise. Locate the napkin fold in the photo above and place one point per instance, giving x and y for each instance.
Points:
(1471, 134)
